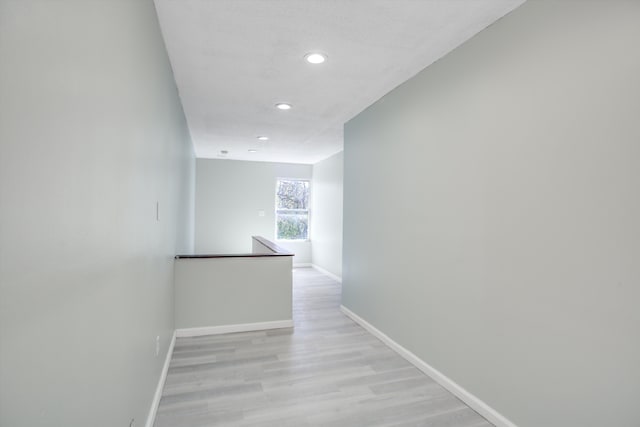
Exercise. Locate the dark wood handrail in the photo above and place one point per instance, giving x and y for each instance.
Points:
(276, 251)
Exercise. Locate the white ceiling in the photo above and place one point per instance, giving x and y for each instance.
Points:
(235, 59)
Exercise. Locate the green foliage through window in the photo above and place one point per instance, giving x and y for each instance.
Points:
(292, 210)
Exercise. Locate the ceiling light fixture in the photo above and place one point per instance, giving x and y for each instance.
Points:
(251, 150)
(263, 138)
(283, 106)
(315, 57)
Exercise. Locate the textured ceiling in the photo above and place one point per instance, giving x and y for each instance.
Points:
(235, 59)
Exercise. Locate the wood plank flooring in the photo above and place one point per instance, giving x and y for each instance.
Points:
(328, 371)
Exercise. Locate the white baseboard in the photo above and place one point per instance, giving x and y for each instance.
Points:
(163, 376)
(474, 403)
(227, 329)
(301, 264)
(327, 273)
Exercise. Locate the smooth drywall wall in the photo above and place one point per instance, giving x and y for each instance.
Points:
(326, 221)
(232, 291)
(231, 195)
(491, 214)
(92, 136)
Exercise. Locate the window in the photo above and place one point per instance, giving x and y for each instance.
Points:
(292, 209)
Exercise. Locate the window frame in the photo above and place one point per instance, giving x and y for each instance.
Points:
(308, 210)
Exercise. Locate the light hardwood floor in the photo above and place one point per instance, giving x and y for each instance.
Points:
(328, 371)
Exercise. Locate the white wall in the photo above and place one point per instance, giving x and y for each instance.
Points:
(92, 135)
(326, 221)
(491, 214)
(232, 291)
(229, 194)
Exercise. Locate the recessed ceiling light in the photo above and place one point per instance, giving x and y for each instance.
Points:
(251, 150)
(283, 106)
(315, 58)
(263, 138)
